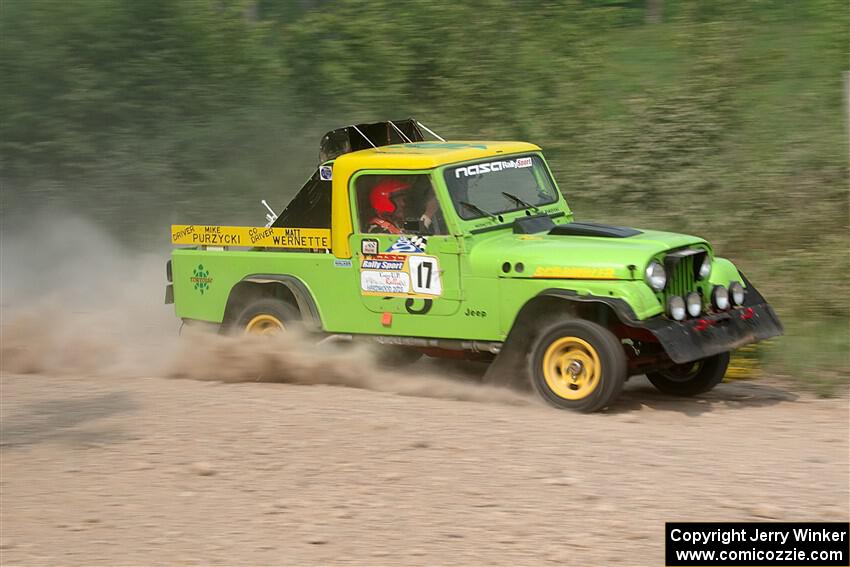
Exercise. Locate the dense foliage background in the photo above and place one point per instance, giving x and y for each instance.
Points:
(723, 119)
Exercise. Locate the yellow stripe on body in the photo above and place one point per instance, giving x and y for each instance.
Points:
(557, 272)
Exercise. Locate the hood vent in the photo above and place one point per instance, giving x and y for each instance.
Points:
(594, 229)
(533, 224)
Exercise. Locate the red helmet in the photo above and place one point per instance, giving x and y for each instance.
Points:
(382, 193)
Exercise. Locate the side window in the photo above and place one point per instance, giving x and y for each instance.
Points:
(396, 204)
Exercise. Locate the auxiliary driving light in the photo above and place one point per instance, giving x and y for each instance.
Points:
(676, 308)
(736, 293)
(656, 277)
(704, 268)
(694, 303)
(720, 298)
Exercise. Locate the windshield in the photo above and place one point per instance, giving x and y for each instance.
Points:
(500, 186)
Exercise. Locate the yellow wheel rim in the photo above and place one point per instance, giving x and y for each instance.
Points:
(264, 325)
(571, 368)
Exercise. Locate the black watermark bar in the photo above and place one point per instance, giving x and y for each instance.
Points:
(757, 544)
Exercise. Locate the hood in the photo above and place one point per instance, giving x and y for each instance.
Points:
(575, 257)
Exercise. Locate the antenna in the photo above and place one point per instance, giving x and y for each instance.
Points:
(364, 136)
(403, 135)
(430, 131)
(269, 217)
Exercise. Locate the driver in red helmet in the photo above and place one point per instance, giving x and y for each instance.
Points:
(389, 201)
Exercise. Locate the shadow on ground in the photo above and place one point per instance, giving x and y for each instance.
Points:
(639, 392)
(67, 421)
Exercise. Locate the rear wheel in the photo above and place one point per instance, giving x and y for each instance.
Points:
(691, 378)
(578, 365)
(266, 316)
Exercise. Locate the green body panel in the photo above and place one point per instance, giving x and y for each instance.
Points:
(723, 271)
(489, 306)
(514, 293)
(483, 285)
(226, 268)
(488, 252)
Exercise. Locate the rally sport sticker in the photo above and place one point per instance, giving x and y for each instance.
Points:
(401, 275)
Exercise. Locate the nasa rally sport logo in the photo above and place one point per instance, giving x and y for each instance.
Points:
(492, 167)
(201, 278)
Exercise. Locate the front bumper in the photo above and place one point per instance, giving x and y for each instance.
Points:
(698, 338)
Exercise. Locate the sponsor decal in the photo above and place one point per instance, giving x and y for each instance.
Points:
(409, 245)
(401, 275)
(492, 167)
(384, 283)
(574, 273)
(266, 237)
(383, 262)
(201, 279)
(342, 263)
(369, 246)
(326, 173)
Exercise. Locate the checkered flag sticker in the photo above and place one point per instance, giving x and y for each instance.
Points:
(409, 245)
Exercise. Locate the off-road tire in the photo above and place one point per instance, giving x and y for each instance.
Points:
(692, 378)
(595, 346)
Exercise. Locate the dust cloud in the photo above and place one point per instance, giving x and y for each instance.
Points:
(75, 302)
(296, 360)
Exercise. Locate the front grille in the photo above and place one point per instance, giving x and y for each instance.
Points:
(680, 280)
(681, 267)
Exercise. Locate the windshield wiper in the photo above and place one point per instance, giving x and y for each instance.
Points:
(519, 201)
(477, 209)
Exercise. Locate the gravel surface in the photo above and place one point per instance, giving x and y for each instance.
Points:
(121, 470)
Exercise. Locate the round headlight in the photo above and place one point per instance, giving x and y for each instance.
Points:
(704, 268)
(736, 293)
(656, 277)
(720, 298)
(676, 307)
(694, 303)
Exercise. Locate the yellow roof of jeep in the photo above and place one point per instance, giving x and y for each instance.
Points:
(418, 155)
(426, 155)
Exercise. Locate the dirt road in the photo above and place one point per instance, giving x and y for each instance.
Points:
(135, 470)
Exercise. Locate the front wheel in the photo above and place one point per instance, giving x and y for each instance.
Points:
(691, 378)
(578, 365)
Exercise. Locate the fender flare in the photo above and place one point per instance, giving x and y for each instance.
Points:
(620, 307)
(509, 366)
(303, 298)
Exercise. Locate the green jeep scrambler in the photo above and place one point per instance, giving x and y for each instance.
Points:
(469, 250)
